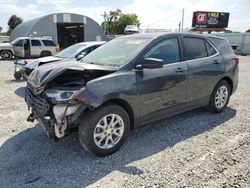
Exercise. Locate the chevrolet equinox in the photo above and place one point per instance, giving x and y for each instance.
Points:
(128, 82)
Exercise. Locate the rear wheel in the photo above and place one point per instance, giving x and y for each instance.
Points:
(45, 53)
(18, 76)
(220, 97)
(6, 54)
(103, 131)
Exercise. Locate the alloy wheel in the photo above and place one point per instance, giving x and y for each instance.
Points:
(108, 131)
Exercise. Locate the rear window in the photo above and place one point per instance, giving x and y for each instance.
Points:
(48, 43)
(35, 43)
(194, 48)
(210, 50)
(222, 45)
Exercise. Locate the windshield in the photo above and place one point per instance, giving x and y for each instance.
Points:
(131, 27)
(67, 52)
(117, 52)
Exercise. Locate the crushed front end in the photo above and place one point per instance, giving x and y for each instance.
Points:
(53, 110)
(52, 91)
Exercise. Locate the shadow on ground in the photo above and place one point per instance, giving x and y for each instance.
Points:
(29, 158)
(20, 92)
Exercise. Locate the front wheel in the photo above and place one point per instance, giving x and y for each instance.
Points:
(6, 54)
(103, 131)
(220, 97)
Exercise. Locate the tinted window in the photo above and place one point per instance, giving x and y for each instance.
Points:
(19, 43)
(194, 48)
(167, 50)
(35, 43)
(48, 43)
(222, 45)
(210, 50)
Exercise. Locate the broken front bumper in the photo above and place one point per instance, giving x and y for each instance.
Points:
(56, 119)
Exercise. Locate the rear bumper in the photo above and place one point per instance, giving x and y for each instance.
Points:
(235, 79)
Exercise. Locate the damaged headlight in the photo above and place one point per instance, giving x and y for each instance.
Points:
(57, 95)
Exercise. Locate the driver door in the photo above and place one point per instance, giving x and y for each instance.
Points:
(162, 90)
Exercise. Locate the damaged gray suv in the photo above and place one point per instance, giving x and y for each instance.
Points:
(131, 81)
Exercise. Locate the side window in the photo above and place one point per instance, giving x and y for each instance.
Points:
(210, 50)
(167, 50)
(35, 43)
(48, 43)
(194, 48)
(19, 43)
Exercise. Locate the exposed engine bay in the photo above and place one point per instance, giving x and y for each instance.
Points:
(50, 94)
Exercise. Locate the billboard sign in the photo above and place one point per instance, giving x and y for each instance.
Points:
(210, 19)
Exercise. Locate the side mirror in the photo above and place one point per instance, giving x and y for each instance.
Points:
(79, 57)
(150, 63)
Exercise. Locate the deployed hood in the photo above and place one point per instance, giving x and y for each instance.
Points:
(44, 74)
(34, 64)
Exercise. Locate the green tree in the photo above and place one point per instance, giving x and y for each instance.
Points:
(117, 21)
(13, 22)
(248, 31)
(1, 30)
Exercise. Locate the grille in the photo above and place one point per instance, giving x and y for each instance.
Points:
(35, 102)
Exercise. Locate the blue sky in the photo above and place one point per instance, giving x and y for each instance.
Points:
(152, 14)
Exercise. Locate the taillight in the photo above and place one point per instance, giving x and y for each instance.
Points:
(237, 59)
(25, 62)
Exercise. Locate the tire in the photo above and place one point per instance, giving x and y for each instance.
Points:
(92, 130)
(18, 76)
(6, 54)
(221, 94)
(45, 53)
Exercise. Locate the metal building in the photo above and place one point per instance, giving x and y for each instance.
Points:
(240, 42)
(64, 28)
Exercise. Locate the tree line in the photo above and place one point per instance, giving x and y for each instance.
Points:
(12, 23)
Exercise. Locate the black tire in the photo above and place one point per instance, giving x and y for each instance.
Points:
(212, 107)
(45, 53)
(18, 76)
(6, 54)
(88, 126)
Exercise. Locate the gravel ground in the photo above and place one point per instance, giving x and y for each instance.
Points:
(194, 149)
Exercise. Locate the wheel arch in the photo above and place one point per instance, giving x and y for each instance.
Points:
(230, 81)
(124, 104)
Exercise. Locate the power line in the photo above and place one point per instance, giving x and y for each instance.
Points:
(165, 17)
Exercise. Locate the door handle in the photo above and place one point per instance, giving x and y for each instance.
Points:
(179, 70)
(216, 61)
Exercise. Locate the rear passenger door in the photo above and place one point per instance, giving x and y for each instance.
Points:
(205, 65)
(35, 47)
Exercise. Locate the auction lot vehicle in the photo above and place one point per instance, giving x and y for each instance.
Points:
(6, 51)
(131, 81)
(76, 52)
(28, 47)
(131, 29)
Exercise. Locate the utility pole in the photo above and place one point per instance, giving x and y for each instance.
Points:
(182, 23)
(104, 23)
(180, 26)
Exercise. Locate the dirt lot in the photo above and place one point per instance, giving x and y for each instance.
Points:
(194, 149)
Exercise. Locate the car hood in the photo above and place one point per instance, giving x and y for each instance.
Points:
(34, 64)
(44, 74)
(5, 44)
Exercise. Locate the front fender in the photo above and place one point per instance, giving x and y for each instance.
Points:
(118, 85)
